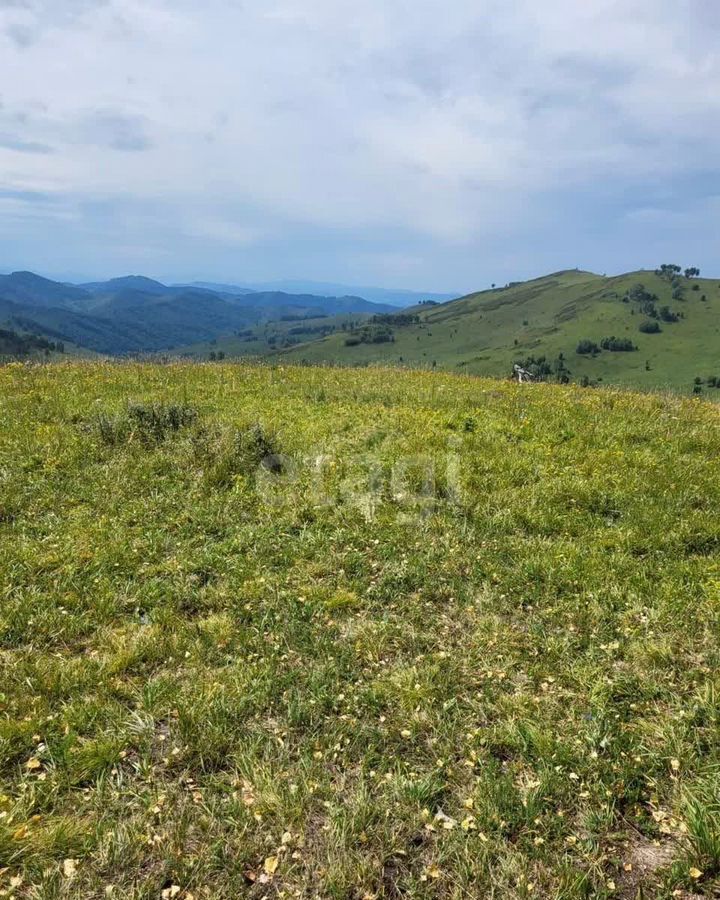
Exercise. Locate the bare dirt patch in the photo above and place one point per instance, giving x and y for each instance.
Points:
(642, 862)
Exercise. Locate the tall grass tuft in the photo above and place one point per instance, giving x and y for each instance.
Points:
(701, 807)
(148, 423)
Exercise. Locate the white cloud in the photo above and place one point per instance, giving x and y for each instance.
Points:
(450, 123)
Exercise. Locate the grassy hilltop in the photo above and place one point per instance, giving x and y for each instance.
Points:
(485, 333)
(292, 632)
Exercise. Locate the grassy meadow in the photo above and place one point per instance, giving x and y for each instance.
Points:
(269, 631)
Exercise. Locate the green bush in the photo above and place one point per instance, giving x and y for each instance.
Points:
(538, 366)
(617, 344)
(586, 347)
(370, 334)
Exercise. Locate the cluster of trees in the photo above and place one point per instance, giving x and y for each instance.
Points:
(322, 330)
(370, 334)
(671, 272)
(586, 347)
(651, 326)
(621, 345)
(712, 381)
(18, 345)
(542, 369)
(646, 302)
(396, 319)
(297, 317)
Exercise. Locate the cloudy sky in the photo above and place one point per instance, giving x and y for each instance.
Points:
(430, 144)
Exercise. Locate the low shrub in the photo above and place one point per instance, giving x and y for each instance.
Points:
(622, 345)
(226, 454)
(586, 347)
(147, 423)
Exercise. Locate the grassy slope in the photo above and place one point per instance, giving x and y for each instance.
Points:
(265, 337)
(477, 334)
(505, 687)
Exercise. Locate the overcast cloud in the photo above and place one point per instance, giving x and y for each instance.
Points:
(413, 143)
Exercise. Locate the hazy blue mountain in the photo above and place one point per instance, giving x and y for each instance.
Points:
(312, 303)
(177, 319)
(33, 290)
(127, 282)
(373, 294)
(217, 288)
(330, 289)
(265, 299)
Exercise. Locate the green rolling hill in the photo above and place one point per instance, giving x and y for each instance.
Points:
(486, 332)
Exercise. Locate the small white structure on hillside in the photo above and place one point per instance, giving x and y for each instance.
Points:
(522, 374)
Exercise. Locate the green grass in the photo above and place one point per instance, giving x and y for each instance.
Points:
(477, 334)
(295, 632)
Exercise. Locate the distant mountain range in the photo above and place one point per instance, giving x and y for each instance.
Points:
(136, 314)
(325, 288)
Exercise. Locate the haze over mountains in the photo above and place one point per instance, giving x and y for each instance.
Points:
(137, 314)
(399, 298)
